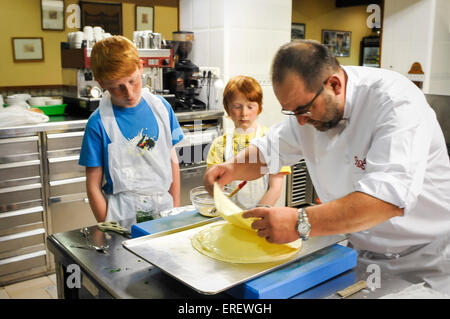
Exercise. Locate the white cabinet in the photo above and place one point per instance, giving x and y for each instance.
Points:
(418, 31)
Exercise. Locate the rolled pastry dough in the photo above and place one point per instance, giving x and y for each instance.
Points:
(235, 240)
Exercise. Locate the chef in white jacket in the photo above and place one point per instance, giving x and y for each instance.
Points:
(376, 155)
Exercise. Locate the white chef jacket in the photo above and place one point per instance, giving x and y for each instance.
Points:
(388, 145)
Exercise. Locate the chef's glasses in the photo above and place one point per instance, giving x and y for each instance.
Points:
(304, 109)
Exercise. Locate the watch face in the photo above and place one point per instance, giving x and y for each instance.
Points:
(303, 229)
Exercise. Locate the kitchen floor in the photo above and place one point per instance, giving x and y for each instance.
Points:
(37, 288)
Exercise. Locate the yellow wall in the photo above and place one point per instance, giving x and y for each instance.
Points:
(22, 18)
(323, 14)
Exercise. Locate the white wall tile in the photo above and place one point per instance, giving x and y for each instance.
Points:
(441, 58)
(271, 113)
(217, 13)
(200, 51)
(216, 48)
(186, 14)
(200, 14)
(238, 36)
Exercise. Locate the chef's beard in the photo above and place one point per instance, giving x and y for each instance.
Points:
(332, 116)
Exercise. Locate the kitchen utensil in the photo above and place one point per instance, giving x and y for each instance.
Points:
(115, 227)
(344, 293)
(156, 41)
(97, 248)
(237, 189)
(88, 245)
(203, 201)
(85, 232)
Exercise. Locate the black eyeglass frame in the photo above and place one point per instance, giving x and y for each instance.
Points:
(303, 109)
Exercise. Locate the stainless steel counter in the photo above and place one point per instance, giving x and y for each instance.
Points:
(55, 123)
(66, 122)
(121, 274)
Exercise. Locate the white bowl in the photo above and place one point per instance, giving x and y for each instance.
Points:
(203, 202)
(53, 102)
(37, 100)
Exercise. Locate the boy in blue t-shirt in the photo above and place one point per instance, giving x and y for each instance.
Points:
(129, 140)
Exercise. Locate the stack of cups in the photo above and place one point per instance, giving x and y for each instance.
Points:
(98, 33)
(78, 39)
(75, 39)
(89, 36)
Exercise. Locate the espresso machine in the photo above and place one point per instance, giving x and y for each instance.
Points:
(82, 93)
(183, 80)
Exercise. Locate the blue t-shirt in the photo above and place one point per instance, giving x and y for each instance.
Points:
(131, 121)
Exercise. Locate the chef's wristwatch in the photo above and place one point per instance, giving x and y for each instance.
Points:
(303, 226)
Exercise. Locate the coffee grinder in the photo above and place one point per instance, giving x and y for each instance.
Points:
(183, 79)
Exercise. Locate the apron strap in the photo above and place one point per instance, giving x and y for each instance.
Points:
(109, 120)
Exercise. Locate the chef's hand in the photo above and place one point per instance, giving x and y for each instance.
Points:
(220, 173)
(276, 224)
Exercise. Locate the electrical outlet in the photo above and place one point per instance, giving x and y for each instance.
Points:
(215, 71)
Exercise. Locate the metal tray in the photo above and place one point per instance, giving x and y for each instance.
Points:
(171, 251)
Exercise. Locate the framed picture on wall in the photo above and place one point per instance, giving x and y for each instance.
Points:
(28, 49)
(108, 16)
(144, 18)
(52, 15)
(297, 31)
(338, 42)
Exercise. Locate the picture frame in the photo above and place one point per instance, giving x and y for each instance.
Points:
(52, 15)
(338, 42)
(108, 16)
(298, 31)
(28, 49)
(144, 18)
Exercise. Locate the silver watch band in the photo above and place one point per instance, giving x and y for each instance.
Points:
(303, 226)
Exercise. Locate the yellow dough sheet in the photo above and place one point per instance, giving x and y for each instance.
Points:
(235, 240)
(233, 244)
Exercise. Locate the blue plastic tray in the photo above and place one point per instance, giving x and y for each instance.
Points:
(166, 223)
(298, 276)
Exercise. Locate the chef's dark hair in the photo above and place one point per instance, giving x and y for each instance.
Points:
(309, 59)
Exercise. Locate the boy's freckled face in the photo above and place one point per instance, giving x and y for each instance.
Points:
(126, 91)
(243, 112)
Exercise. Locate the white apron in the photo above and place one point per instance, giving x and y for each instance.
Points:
(250, 195)
(141, 177)
(429, 263)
